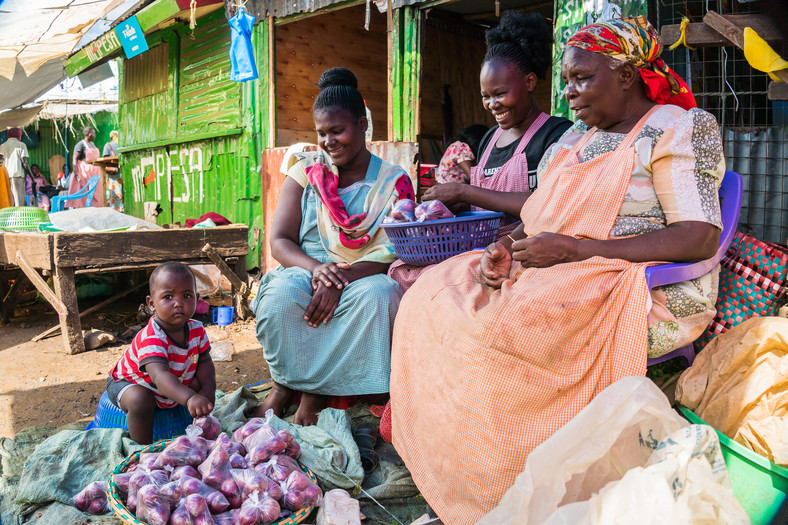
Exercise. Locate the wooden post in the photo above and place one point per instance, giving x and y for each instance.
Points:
(240, 288)
(70, 325)
(40, 284)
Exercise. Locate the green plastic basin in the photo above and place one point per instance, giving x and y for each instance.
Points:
(758, 484)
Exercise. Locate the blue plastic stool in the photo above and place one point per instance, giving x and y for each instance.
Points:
(167, 423)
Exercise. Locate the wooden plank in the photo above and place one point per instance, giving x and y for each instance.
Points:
(301, 58)
(92, 309)
(37, 248)
(702, 35)
(40, 284)
(144, 266)
(734, 33)
(70, 325)
(778, 91)
(132, 247)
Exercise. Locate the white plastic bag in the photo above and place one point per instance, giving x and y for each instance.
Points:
(625, 458)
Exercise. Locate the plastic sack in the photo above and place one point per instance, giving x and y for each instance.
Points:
(402, 211)
(122, 481)
(279, 467)
(293, 449)
(250, 481)
(237, 461)
(192, 510)
(171, 492)
(431, 211)
(93, 498)
(152, 507)
(148, 460)
(217, 502)
(747, 364)
(625, 458)
(258, 509)
(142, 477)
(185, 470)
(248, 429)
(191, 449)
(264, 442)
(209, 425)
(232, 447)
(298, 491)
(215, 472)
(226, 518)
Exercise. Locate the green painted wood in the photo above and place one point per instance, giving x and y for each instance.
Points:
(109, 43)
(406, 67)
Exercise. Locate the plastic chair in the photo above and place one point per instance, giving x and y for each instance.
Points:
(58, 203)
(730, 207)
(167, 422)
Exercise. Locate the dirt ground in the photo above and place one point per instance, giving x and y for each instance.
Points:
(42, 385)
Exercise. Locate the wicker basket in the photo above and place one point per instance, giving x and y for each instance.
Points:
(22, 218)
(128, 517)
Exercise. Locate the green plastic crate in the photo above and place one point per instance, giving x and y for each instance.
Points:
(759, 485)
(22, 218)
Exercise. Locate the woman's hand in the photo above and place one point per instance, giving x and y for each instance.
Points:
(545, 250)
(324, 302)
(330, 274)
(495, 265)
(449, 193)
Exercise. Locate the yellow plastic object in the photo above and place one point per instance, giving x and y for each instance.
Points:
(761, 56)
(22, 218)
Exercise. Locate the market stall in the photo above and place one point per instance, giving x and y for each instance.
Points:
(62, 255)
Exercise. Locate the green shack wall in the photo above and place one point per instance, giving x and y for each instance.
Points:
(193, 146)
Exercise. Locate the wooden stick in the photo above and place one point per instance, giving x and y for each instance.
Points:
(11, 298)
(105, 302)
(40, 284)
(735, 34)
(240, 286)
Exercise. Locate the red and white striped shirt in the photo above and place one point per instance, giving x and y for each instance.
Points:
(152, 341)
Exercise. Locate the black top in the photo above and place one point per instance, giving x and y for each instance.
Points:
(547, 135)
(79, 149)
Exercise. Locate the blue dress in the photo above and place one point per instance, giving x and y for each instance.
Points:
(350, 355)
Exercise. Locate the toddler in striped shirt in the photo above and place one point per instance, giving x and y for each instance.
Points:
(169, 362)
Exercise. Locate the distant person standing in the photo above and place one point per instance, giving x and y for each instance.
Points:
(111, 147)
(85, 152)
(14, 152)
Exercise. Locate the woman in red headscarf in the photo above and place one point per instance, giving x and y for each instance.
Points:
(500, 349)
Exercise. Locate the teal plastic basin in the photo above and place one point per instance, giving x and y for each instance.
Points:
(758, 484)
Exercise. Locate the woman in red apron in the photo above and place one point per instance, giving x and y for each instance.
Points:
(85, 152)
(518, 53)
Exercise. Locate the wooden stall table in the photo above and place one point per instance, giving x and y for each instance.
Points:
(107, 165)
(64, 254)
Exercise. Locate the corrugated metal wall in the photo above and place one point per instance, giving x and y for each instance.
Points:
(761, 157)
(190, 149)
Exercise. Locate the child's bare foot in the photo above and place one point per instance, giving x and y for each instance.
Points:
(278, 400)
(309, 408)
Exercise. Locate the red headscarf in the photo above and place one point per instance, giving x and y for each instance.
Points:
(635, 40)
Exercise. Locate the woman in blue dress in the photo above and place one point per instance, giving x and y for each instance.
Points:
(324, 317)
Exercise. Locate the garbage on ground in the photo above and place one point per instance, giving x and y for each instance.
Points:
(627, 457)
(739, 385)
(222, 350)
(97, 338)
(339, 508)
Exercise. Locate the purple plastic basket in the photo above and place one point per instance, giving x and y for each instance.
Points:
(431, 242)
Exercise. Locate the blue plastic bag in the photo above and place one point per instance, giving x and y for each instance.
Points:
(241, 50)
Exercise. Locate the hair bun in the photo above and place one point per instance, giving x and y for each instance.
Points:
(530, 34)
(337, 76)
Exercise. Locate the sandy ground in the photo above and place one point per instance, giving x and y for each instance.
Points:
(41, 385)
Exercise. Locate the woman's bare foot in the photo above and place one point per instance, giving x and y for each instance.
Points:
(277, 400)
(309, 408)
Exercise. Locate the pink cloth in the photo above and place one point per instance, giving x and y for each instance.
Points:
(82, 172)
(449, 169)
(326, 185)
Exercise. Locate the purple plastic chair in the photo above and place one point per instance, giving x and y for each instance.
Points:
(730, 206)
